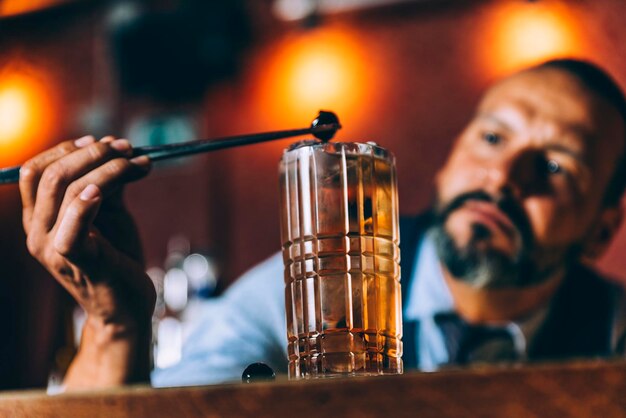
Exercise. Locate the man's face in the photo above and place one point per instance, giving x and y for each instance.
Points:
(522, 189)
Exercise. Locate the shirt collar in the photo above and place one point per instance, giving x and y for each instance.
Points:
(428, 293)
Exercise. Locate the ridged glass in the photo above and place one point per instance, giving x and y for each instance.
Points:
(340, 244)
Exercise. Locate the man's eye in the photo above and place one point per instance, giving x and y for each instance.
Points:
(553, 167)
(492, 138)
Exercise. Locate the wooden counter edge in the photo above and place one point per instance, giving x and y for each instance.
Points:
(577, 389)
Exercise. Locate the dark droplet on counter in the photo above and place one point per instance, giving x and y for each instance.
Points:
(258, 372)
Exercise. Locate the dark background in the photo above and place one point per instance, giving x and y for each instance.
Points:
(409, 77)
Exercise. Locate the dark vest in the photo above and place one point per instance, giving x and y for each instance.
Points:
(579, 324)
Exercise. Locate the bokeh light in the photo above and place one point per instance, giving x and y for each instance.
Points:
(26, 114)
(14, 7)
(324, 68)
(13, 112)
(521, 34)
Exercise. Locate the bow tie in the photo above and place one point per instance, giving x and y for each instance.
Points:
(467, 343)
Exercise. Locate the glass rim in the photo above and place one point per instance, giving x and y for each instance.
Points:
(351, 148)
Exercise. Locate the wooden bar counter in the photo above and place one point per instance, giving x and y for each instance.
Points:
(590, 389)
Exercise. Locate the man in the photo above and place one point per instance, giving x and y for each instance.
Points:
(528, 197)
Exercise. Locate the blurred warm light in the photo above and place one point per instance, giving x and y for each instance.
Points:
(14, 7)
(25, 117)
(13, 113)
(319, 69)
(523, 34)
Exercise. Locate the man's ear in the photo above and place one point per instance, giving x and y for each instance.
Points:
(603, 232)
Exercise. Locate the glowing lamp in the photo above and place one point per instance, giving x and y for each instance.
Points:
(25, 117)
(524, 34)
(15, 7)
(325, 68)
(14, 104)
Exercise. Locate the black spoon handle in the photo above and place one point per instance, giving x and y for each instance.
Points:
(324, 131)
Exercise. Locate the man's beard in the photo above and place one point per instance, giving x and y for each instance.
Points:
(482, 266)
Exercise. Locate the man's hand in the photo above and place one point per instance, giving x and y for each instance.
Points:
(78, 228)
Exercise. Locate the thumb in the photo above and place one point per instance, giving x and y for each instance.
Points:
(73, 239)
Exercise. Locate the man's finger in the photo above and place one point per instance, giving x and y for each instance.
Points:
(58, 175)
(31, 172)
(109, 177)
(72, 236)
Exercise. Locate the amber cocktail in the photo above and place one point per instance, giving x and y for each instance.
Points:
(339, 224)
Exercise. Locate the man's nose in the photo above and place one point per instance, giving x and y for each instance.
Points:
(518, 174)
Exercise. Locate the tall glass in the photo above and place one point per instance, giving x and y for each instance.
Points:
(339, 226)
